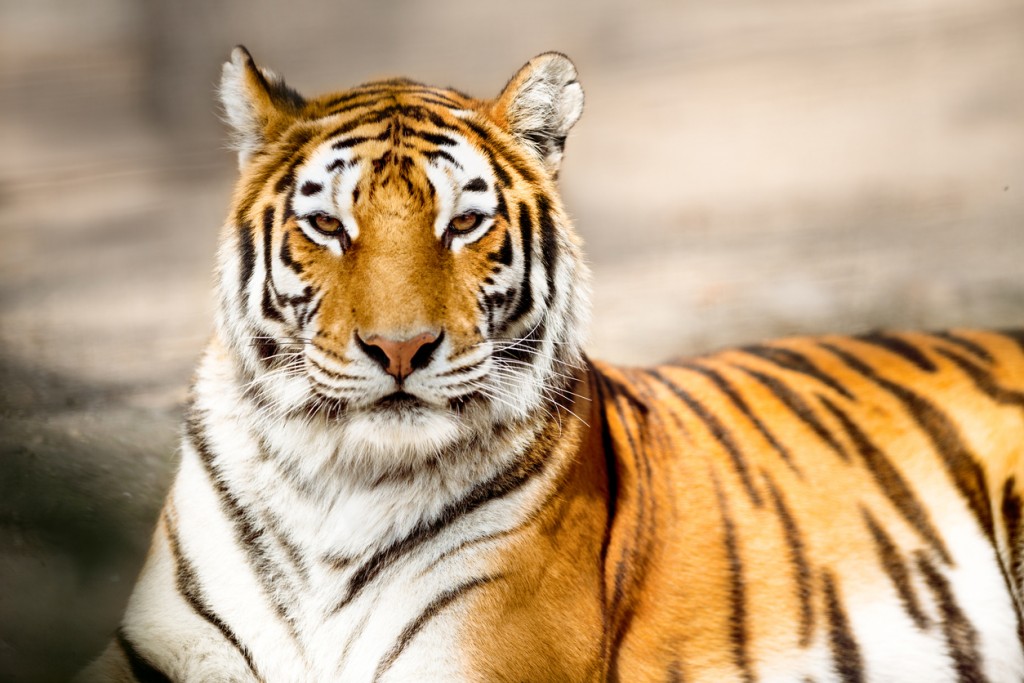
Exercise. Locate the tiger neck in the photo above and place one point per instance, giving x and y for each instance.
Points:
(289, 473)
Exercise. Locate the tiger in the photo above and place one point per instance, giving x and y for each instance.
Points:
(399, 464)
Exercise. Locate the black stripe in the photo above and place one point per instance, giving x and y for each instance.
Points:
(367, 90)
(737, 588)
(846, 658)
(504, 255)
(435, 607)
(548, 243)
(268, 302)
(296, 140)
(525, 301)
(351, 142)
(247, 257)
(291, 151)
(476, 540)
(354, 635)
(499, 171)
(267, 349)
(961, 465)
(737, 400)
(718, 430)
(475, 185)
(229, 504)
(309, 187)
(364, 118)
(890, 481)
(1011, 508)
(792, 400)
(501, 209)
(525, 348)
(973, 348)
(440, 101)
(896, 569)
(337, 165)
(142, 668)
(441, 154)
(433, 138)
(390, 86)
(310, 312)
(252, 540)
(404, 86)
(984, 381)
(361, 100)
(291, 550)
(798, 558)
(797, 362)
(636, 546)
(512, 157)
(502, 484)
(1016, 336)
(286, 255)
(901, 347)
(192, 591)
(961, 638)
(600, 400)
(287, 179)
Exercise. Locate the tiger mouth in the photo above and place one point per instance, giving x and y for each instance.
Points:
(400, 401)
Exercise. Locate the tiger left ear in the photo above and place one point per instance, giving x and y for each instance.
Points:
(540, 104)
(256, 102)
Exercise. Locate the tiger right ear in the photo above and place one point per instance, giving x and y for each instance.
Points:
(256, 102)
(540, 104)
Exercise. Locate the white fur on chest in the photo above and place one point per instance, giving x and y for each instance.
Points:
(318, 620)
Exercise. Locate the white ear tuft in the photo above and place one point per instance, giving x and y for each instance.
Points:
(541, 103)
(254, 99)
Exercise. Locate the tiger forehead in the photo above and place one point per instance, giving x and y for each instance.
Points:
(395, 160)
(397, 91)
(393, 137)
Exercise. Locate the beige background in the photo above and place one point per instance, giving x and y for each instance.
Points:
(743, 169)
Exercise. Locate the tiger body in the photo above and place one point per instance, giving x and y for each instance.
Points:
(827, 509)
(398, 465)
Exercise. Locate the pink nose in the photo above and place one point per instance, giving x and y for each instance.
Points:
(400, 357)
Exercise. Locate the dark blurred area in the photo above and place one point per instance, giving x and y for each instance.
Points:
(743, 169)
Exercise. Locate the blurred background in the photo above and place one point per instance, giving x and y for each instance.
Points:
(743, 169)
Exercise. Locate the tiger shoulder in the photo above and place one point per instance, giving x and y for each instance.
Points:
(398, 463)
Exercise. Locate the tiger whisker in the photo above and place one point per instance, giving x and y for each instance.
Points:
(502, 363)
(565, 393)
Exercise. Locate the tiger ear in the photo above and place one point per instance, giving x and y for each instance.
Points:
(256, 101)
(540, 104)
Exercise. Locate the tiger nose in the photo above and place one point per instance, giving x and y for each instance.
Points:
(400, 357)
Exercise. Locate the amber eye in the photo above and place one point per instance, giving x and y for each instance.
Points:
(328, 225)
(465, 223)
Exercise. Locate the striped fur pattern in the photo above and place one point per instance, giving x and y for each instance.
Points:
(493, 506)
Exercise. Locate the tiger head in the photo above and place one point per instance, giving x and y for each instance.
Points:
(397, 266)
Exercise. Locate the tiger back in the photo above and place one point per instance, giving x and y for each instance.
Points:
(399, 465)
(827, 509)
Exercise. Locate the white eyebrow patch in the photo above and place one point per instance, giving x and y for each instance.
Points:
(464, 187)
(325, 184)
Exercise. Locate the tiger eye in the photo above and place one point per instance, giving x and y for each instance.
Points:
(465, 222)
(328, 225)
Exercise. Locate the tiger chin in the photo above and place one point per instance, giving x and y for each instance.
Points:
(398, 464)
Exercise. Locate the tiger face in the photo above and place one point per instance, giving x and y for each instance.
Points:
(397, 268)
